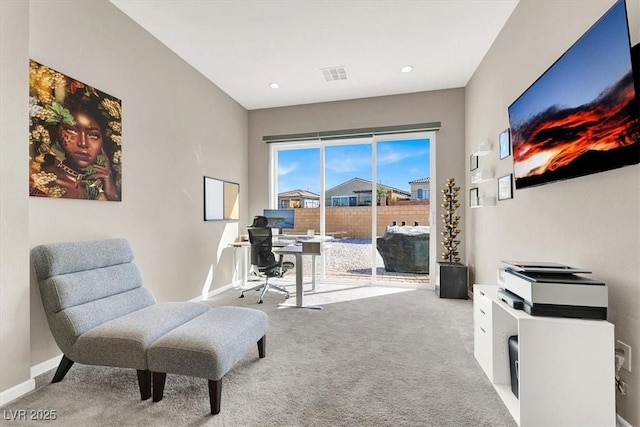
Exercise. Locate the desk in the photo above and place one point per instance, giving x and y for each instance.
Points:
(298, 251)
(310, 246)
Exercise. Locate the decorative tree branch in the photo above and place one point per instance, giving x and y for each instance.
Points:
(450, 220)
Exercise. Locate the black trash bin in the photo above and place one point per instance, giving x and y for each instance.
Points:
(513, 361)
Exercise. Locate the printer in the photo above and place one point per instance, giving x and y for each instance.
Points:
(552, 289)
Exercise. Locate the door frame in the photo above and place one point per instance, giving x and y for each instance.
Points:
(321, 144)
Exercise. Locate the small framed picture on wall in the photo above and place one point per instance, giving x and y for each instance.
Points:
(473, 162)
(505, 187)
(505, 144)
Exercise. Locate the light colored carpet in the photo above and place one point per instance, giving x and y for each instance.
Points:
(399, 359)
(332, 293)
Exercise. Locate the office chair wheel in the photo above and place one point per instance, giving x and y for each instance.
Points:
(241, 296)
(260, 302)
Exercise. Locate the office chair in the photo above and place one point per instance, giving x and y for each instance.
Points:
(264, 259)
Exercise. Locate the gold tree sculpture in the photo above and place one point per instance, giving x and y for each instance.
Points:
(450, 220)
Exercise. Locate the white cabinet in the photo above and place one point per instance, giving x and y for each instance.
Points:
(566, 366)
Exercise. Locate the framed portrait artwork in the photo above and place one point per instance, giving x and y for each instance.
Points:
(75, 138)
(505, 187)
(473, 162)
(505, 144)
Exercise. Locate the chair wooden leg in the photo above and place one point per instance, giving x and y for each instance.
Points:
(215, 394)
(159, 379)
(144, 382)
(262, 344)
(63, 368)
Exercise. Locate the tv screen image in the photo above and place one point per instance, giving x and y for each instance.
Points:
(280, 218)
(580, 116)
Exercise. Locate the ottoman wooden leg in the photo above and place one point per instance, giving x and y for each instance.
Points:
(262, 343)
(215, 393)
(159, 379)
(144, 382)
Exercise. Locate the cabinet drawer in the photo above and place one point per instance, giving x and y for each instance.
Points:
(482, 303)
(482, 315)
(482, 308)
(483, 331)
(483, 348)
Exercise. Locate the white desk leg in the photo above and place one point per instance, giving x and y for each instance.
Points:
(299, 288)
(313, 273)
(245, 267)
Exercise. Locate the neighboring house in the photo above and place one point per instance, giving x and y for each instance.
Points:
(357, 192)
(420, 188)
(298, 199)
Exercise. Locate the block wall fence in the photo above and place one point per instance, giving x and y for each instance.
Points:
(355, 221)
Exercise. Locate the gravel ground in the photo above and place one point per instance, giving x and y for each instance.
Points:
(345, 255)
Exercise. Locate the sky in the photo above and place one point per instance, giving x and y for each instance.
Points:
(399, 162)
(597, 60)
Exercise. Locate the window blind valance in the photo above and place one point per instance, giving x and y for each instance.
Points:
(353, 133)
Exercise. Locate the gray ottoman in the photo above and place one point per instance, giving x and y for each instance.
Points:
(207, 347)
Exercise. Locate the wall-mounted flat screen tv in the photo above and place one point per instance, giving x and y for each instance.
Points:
(581, 116)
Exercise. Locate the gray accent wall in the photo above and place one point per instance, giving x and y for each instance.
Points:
(177, 127)
(591, 222)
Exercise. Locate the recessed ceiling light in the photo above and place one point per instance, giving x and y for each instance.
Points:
(274, 85)
(406, 68)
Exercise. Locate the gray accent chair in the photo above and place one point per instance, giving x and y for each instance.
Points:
(99, 312)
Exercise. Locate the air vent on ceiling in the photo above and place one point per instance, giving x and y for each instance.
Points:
(334, 73)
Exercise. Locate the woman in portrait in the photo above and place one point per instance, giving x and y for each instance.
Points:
(75, 139)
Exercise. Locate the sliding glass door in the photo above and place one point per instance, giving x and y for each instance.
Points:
(297, 186)
(353, 190)
(403, 174)
(349, 202)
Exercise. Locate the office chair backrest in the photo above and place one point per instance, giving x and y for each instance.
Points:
(261, 246)
(260, 221)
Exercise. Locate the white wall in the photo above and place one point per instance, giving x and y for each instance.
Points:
(177, 127)
(591, 222)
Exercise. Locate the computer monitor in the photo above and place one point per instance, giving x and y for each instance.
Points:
(280, 218)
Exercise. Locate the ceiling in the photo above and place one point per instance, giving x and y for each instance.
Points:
(245, 45)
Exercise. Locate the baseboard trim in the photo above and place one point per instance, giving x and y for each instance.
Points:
(213, 293)
(45, 366)
(621, 422)
(29, 385)
(17, 391)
